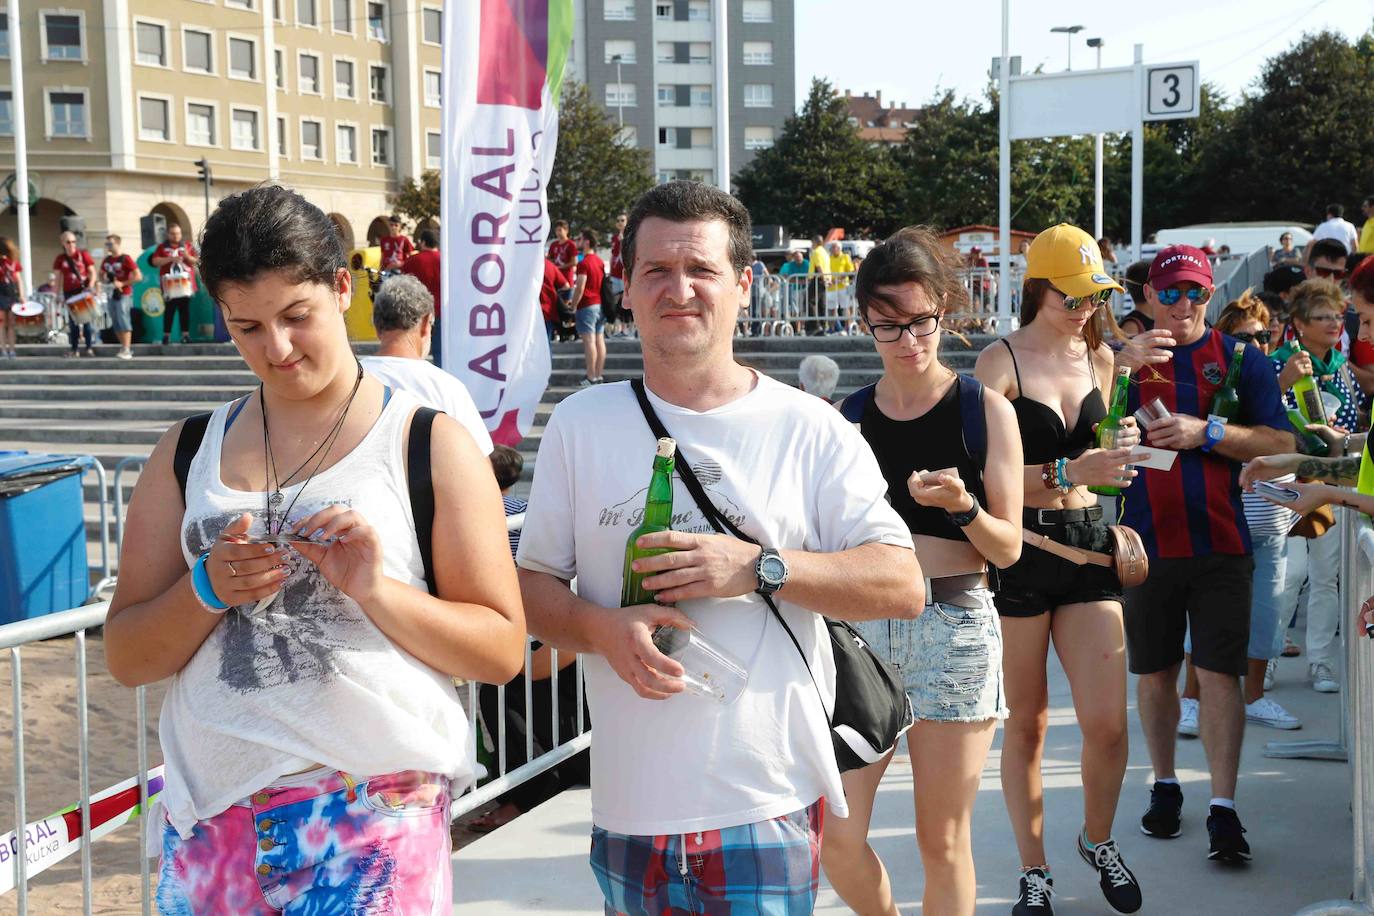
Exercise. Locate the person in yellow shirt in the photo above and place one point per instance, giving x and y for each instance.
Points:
(841, 269)
(818, 280)
(1366, 243)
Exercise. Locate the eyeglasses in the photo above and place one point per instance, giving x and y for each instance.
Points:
(916, 327)
(1259, 337)
(1197, 295)
(1328, 319)
(1092, 301)
(1330, 273)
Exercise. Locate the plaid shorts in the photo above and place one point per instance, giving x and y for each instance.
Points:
(771, 868)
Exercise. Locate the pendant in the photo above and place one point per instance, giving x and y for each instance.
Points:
(276, 499)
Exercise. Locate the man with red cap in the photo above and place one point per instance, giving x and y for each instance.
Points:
(1195, 533)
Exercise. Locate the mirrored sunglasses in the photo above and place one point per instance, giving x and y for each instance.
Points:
(1197, 295)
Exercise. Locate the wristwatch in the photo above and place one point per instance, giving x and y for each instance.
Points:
(1216, 428)
(963, 519)
(771, 570)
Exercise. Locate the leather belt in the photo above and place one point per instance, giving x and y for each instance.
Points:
(1047, 518)
(954, 590)
(1073, 554)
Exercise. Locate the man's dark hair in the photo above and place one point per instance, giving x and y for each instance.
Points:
(507, 463)
(429, 238)
(1283, 278)
(1331, 249)
(560, 222)
(1354, 259)
(114, 238)
(394, 218)
(266, 229)
(911, 255)
(590, 236)
(1335, 211)
(688, 202)
(1368, 200)
(1136, 277)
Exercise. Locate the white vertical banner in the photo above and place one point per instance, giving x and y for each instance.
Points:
(503, 67)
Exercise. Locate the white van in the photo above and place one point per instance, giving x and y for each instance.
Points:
(1242, 238)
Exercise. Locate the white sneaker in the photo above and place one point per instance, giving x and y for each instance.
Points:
(1271, 669)
(1187, 719)
(1265, 711)
(124, 354)
(1323, 681)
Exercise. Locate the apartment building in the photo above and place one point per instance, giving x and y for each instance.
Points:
(652, 63)
(339, 99)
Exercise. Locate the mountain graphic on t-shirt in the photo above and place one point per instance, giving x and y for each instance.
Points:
(686, 516)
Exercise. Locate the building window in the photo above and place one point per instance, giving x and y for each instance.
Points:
(154, 119)
(243, 58)
(758, 95)
(200, 124)
(667, 96)
(381, 146)
(282, 147)
(343, 16)
(758, 53)
(699, 10)
(306, 13)
(666, 176)
(4, 34)
(279, 10)
(197, 51)
(699, 52)
(308, 66)
(667, 136)
(62, 36)
(241, 4)
(432, 22)
(345, 81)
(243, 127)
(434, 150)
(664, 53)
(346, 144)
(622, 48)
(627, 137)
(701, 96)
(150, 40)
(621, 95)
(379, 84)
(6, 113)
(312, 138)
(701, 138)
(705, 176)
(758, 137)
(434, 81)
(67, 111)
(663, 11)
(619, 11)
(279, 67)
(376, 20)
(758, 10)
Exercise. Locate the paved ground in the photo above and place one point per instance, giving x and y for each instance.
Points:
(1296, 811)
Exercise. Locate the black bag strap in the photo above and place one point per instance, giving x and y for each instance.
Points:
(188, 443)
(421, 486)
(975, 422)
(720, 522)
(852, 408)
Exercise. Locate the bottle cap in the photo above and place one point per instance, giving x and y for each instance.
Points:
(666, 447)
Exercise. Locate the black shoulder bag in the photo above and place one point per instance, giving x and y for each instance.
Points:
(872, 710)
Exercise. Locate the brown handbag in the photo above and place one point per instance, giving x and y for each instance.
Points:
(1127, 559)
(1314, 524)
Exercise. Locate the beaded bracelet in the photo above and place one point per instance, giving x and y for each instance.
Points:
(1048, 475)
(204, 588)
(1061, 472)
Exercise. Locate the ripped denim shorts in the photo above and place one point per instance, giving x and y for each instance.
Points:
(950, 659)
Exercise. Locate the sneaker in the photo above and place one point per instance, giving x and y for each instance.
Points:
(1117, 881)
(1323, 681)
(1226, 837)
(1162, 819)
(1271, 670)
(90, 351)
(1036, 890)
(1187, 717)
(125, 354)
(185, 338)
(585, 383)
(68, 354)
(1265, 711)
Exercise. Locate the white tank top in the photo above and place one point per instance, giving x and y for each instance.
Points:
(310, 680)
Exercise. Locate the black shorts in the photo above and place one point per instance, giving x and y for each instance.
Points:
(1039, 582)
(1208, 595)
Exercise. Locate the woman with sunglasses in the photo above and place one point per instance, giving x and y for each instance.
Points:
(310, 730)
(1057, 372)
(963, 506)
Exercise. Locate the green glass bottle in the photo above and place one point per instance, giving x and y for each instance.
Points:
(658, 516)
(1312, 444)
(1110, 427)
(1309, 397)
(1226, 402)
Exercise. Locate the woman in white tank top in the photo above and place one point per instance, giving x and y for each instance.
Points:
(311, 733)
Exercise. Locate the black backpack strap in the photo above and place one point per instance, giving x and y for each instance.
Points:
(421, 486)
(188, 443)
(852, 408)
(974, 420)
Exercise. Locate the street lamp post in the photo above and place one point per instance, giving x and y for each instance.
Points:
(619, 91)
(1096, 44)
(1068, 31)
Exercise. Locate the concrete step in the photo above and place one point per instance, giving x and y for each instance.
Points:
(165, 411)
(105, 391)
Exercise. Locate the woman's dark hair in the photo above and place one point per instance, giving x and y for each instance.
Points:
(268, 229)
(910, 255)
(691, 202)
(507, 463)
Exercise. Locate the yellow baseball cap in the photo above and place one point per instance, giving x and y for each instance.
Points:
(1069, 258)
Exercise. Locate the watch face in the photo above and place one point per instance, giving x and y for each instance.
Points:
(772, 569)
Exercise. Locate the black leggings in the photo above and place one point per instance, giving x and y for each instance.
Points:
(180, 306)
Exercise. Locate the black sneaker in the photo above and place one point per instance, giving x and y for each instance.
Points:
(1227, 843)
(1036, 890)
(1162, 818)
(1117, 881)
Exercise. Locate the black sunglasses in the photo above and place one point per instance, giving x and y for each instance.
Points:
(1260, 337)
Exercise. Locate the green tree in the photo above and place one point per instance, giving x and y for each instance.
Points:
(595, 177)
(819, 174)
(418, 200)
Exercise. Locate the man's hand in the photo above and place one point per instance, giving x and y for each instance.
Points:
(1179, 432)
(625, 640)
(699, 566)
(1267, 468)
(1147, 348)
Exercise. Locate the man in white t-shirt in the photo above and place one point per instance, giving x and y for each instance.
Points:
(403, 314)
(697, 803)
(1337, 227)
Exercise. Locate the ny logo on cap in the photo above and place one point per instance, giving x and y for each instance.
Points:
(1088, 255)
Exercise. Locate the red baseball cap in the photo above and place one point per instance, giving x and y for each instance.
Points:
(1180, 263)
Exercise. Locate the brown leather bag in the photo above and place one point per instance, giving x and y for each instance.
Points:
(1314, 524)
(1127, 559)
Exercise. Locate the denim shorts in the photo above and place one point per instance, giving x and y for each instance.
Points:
(950, 659)
(118, 307)
(591, 320)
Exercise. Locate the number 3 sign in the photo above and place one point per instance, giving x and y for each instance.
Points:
(1172, 91)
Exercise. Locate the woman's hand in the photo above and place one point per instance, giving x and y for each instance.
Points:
(942, 490)
(1311, 496)
(1098, 467)
(1334, 438)
(352, 560)
(1128, 434)
(1267, 468)
(1297, 366)
(242, 573)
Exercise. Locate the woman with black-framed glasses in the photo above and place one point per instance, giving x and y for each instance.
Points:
(1056, 370)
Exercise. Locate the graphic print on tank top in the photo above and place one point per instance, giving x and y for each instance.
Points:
(686, 516)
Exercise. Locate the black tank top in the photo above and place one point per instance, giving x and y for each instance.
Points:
(1043, 436)
(931, 442)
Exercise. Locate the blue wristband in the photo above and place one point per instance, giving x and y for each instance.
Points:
(205, 591)
(1216, 429)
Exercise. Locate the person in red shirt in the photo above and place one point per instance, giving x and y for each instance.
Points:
(183, 254)
(119, 271)
(550, 291)
(11, 293)
(623, 315)
(563, 251)
(586, 300)
(424, 266)
(77, 270)
(396, 248)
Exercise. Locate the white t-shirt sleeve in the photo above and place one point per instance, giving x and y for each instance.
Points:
(461, 407)
(849, 500)
(547, 543)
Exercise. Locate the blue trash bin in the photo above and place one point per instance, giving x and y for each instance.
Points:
(43, 565)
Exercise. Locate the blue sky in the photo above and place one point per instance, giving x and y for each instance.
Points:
(908, 48)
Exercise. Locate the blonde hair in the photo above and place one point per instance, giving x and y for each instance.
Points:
(1309, 295)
